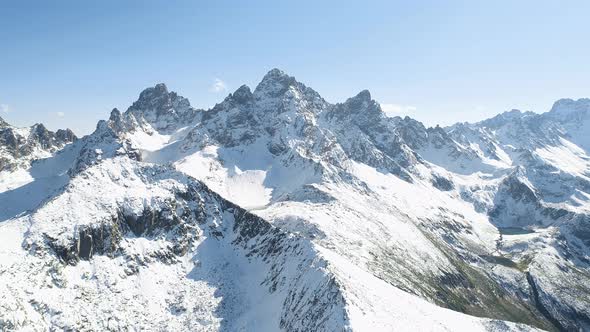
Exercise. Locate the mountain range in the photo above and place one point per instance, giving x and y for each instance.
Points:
(277, 210)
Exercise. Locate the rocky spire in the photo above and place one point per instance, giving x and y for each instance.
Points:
(65, 135)
(163, 109)
(154, 98)
(361, 108)
(242, 94)
(569, 106)
(361, 100)
(275, 83)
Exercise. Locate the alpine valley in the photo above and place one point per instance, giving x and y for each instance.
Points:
(278, 211)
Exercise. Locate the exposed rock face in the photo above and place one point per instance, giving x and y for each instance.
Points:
(19, 146)
(164, 111)
(105, 238)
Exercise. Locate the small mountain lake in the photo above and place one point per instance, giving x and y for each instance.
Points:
(514, 230)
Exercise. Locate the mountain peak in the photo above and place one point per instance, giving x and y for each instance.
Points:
(512, 114)
(361, 101)
(161, 108)
(275, 83)
(161, 87)
(242, 94)
(40, 128)
(115, 117)
(568, 106)
(364, 95)
(152, 95)
(115, 113)
(66, 135)
(275, 73)
(164, 110)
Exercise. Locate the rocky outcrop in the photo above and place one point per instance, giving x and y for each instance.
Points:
(20, 146)
(163, 110)
(104, 238)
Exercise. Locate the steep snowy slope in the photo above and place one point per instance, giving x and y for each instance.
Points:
(424, 210)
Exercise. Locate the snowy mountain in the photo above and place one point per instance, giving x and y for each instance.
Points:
(276, 210)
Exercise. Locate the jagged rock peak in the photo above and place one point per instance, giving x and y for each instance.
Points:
(512, 114)
(437, 129)
(501, 119)
(40, 129)
(276, 82)
(20, 146)
(159, 89)
(275, 74)
(150, 95)
(164, 110)
(513, 111)
(242, 94)
(363, 102)
(116, 120)
(66, 135)
(158, 98)
(363, 95)
(360, 109)
(115, 114)
(45, 136)
(568, 105)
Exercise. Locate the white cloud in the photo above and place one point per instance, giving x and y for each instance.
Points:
(396, 109)
(4, 108)
(218, 86)
(60, 114)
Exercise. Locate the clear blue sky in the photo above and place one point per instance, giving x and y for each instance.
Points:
(68, 63)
